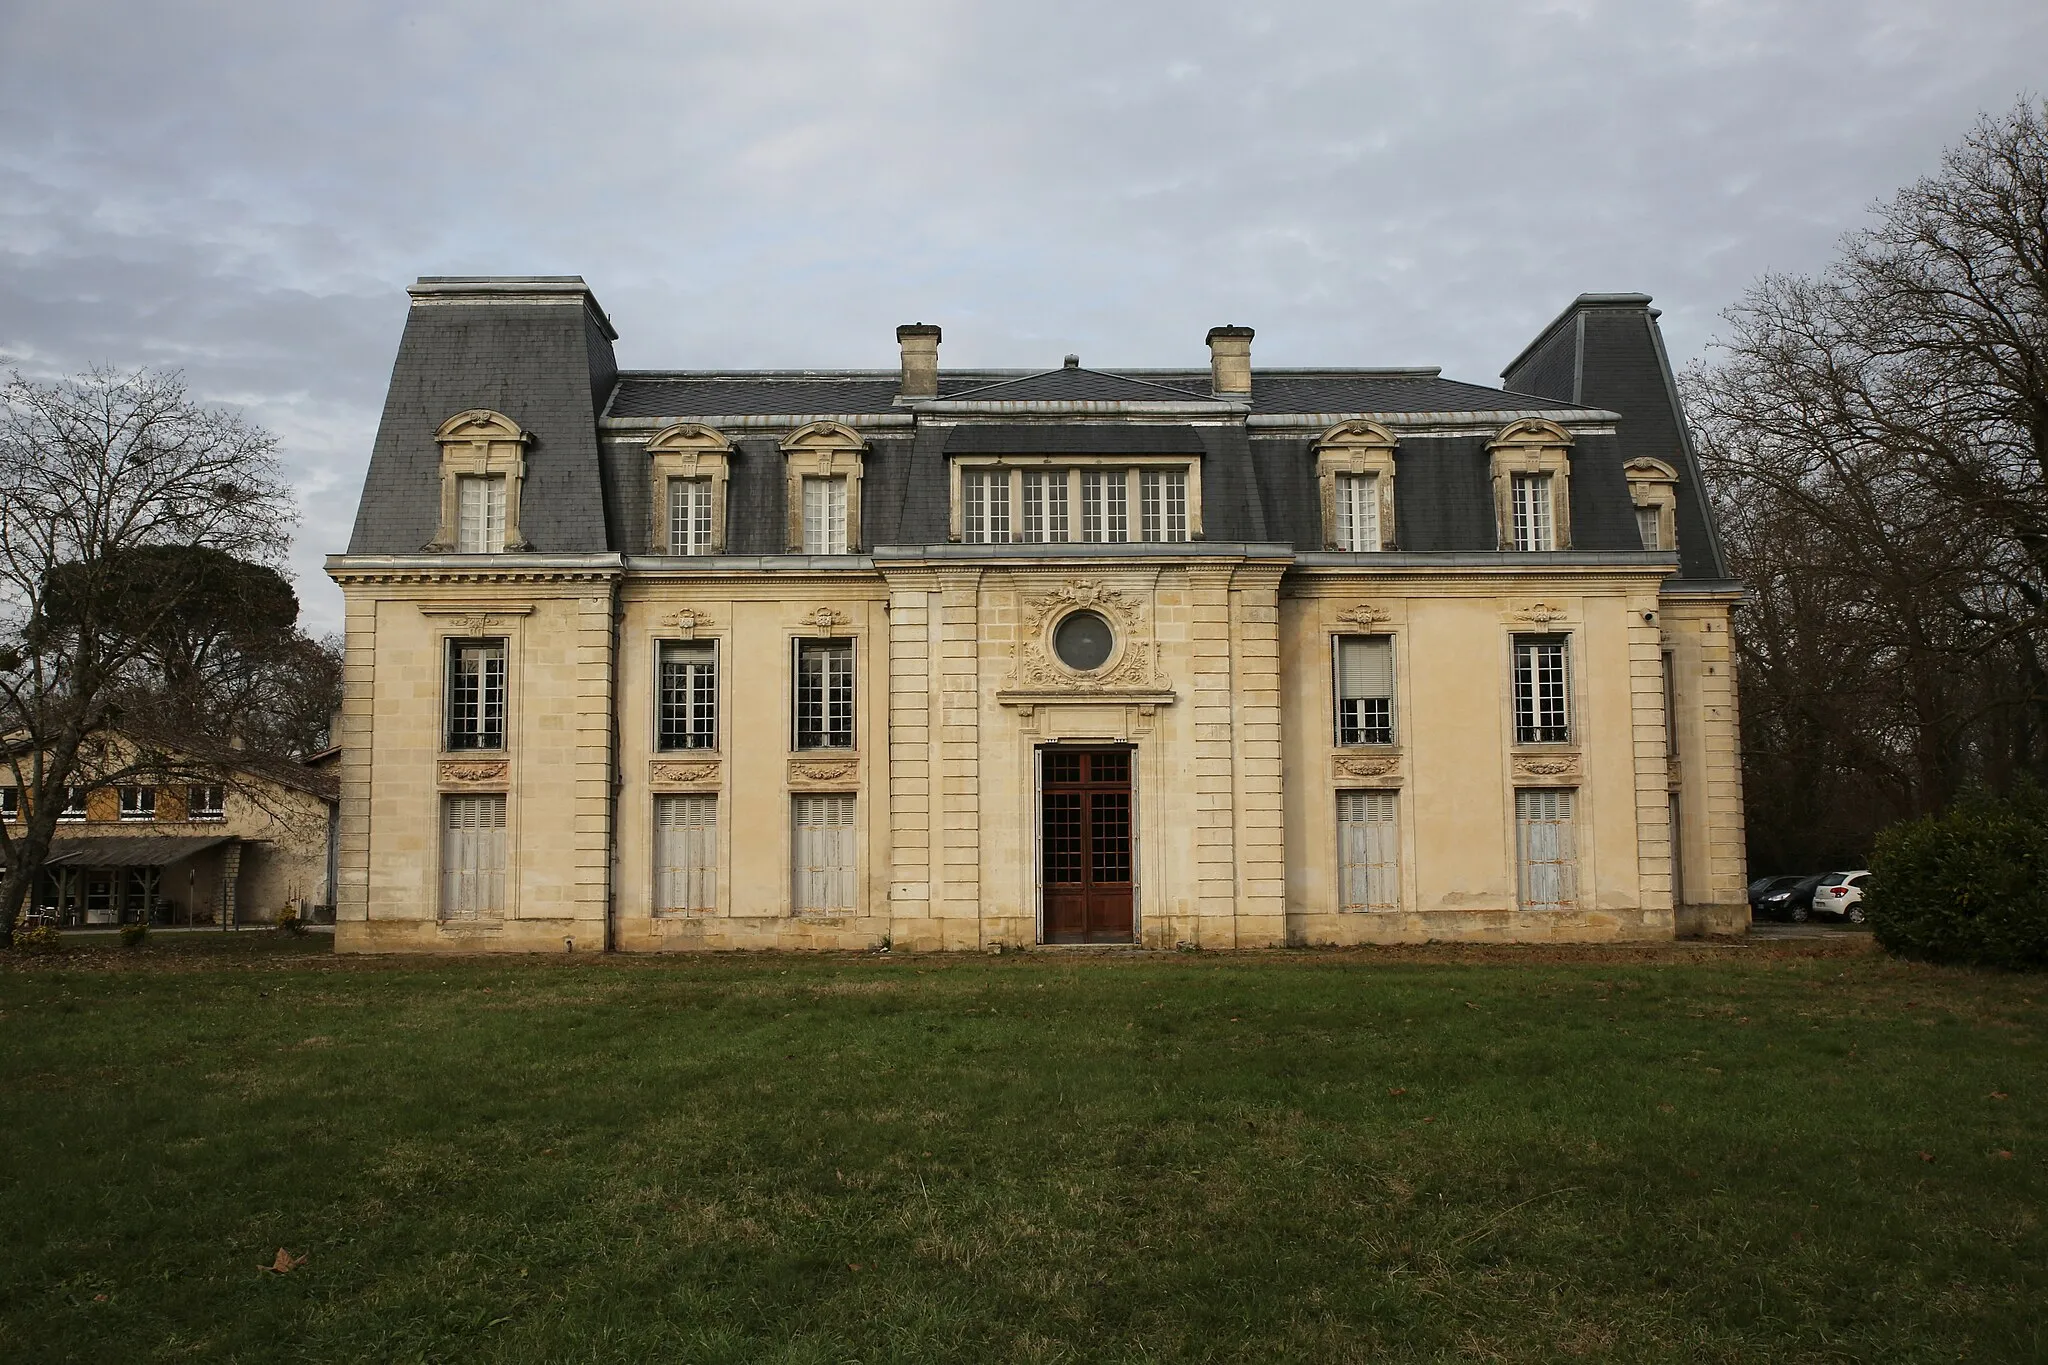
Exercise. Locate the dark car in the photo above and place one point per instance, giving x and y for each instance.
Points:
(1788, 898)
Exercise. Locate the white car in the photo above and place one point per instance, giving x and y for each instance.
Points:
(1841, 894)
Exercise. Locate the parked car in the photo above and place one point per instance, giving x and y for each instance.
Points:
(1764, 886)
(1793, 900)
(1841, 894)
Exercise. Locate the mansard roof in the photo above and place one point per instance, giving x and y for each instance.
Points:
(539, 351)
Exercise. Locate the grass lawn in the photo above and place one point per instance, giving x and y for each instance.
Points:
(1751, 1154)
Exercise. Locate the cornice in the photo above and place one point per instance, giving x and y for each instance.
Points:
(440, 568)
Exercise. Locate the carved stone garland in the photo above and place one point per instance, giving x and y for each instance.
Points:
(475, 772)
(1132, 668)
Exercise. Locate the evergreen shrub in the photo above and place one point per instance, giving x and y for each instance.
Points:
(1969, 885)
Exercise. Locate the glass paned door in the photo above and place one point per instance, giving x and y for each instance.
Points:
(1086, 845)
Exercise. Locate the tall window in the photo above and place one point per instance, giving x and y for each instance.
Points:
(10, 803)
(205, 803)
(1163, 504)
(688, 696)
(1365, 689)
(689, 516)
(476, 694)
(1368, 852)
(1542, 690)
(822, 853)
(1045, 507)
(138, 803)
(1105, 506)
(685, 854)
(1534, 523)
(1547, 848)
(1358, 511)
(1650, 526)
(472, 856)
(824, 694)
(480, 515)
(74, 804)
(825, 516)
(985, 510)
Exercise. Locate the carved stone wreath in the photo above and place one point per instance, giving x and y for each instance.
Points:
(1559, 768)
(1131, 667)
(673, 774)
(825, 620)
(475, 772)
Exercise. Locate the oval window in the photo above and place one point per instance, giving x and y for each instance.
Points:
(1083, 641)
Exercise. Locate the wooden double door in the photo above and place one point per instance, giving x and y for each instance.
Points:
(1085, 844)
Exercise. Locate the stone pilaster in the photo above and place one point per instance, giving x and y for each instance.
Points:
(911, 874)
(358, 722)
(958, 903)
(1214, 718)
(1259, 828)
(1654, 833)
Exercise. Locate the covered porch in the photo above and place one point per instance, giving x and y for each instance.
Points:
(97, 882)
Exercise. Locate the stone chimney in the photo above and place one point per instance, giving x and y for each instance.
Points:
(920, 343)
(1230, 361)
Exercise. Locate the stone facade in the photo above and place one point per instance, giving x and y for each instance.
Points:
(1216, 677)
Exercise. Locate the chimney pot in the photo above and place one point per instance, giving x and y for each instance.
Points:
(1230, 361)
(920, 343)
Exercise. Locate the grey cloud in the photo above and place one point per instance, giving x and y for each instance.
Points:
(242, 190)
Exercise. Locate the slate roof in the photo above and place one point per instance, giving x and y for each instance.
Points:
(1072, 384)
(550, 368)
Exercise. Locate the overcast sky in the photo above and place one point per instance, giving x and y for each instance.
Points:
(243, 190)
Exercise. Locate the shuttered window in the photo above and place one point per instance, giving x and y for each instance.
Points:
(1546, 846)
(685, 854)
(1365, 689)
(1358, 512)
(1105, 507)
(1534, 522)
(1368, 852)
(822, 853)
(472, 857)
(825, 516)
(1542, 690)
(480, 514)
(824, 694)
(689, 516)
(1163, 505)
(688, 696)
(476, 694)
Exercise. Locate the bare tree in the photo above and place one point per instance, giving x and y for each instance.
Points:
(1877, 443)
(93, 471)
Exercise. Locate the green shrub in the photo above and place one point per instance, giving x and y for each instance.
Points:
(134, 935)
(1969, 885)
(35, 936)
(288, 921)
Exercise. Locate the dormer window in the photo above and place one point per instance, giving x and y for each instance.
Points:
(483, 465)
(1355, 475)
(1653, 488)
(823, 467)
(689, 464)
(1534, 526)
(1035, 500)
(1532, 486)
(480, 514)
(825, 516)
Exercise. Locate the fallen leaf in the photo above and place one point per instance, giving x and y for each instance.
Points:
(2004, 1155)
(1998, 1095)
(285, 1263)
(99, 1298)
(1927, 1156)
(853, 1266)
(1667, 1109)
(1429, 1120)
(1398, 1090)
